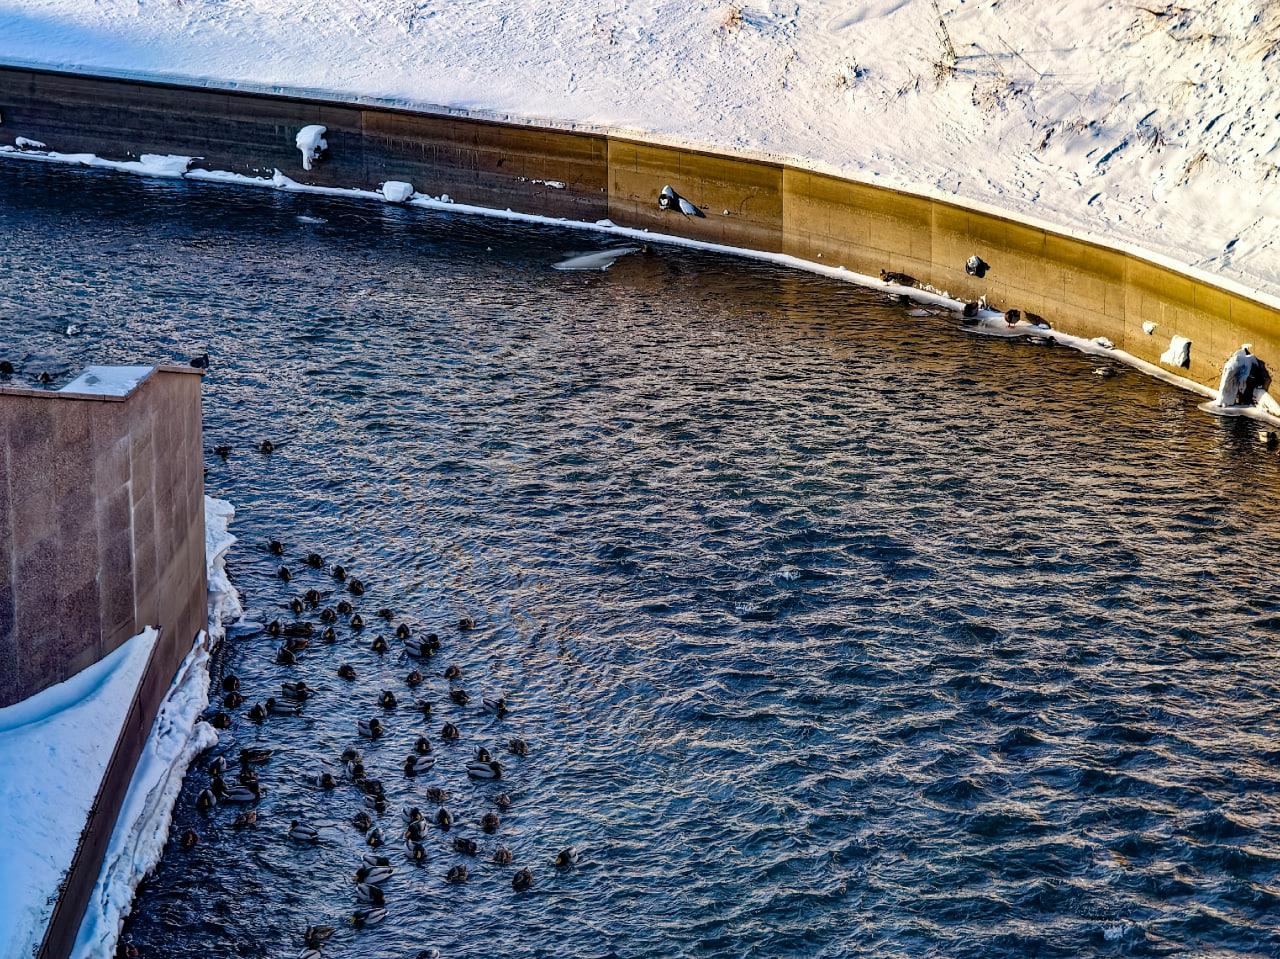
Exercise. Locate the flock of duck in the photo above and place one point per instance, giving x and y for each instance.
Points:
(314, 625)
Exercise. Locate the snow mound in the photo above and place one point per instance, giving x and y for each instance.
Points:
(1178, 354)
(311, 143)
(397, 191)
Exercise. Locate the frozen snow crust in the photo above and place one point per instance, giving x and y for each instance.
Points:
(1146, 123)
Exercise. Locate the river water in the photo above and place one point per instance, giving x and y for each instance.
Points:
(832, 630)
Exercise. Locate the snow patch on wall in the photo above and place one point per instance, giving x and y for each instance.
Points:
(311, 143)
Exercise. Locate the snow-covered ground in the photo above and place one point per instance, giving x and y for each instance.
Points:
(177, 737)
(53, 756)
(1151, 123)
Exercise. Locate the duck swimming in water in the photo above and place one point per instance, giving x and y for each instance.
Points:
(465, 847)
(402, 631)
(285, 657)
(522, 881)
(437, 795)
(220, 720)
(502, 801)
(386, 613)
(379, 645)
(316, 936)
(218, 766)
(416, 850)
(301, 832)
(275, 547)
(345, 608)
(315, 561)
(466, 622)
(410, 814)
(444, 819)
(362, 821)
(449, 732)
(364, 918)
(295, 606)
(414, 679)
(422, 746)
(328, 636)
(242, 794)
(284, 574)
(423, 707)
(347, 671)
(369, 728)
(502, 856)
(374, 875)
(452, 672)
(257, 713)
(189, 839)
(327, 615)
(417, 648)
(387, 700)
(255, 755)
(459, 696)
(324, 780)
(339, 572)
(416, 831)
(280, 707)
(230, 683)
(312, 598)
(458, 874)
(206, 800)
(357, 622)
(489, 823)
(482, 755)
(566, 857)
(417, 765)
(480, 770)
(497, 707)
(374, 837)
(246, 819)
(298, 691)
(232, 700)
(367, 892)
(355, 587)
(518, 747)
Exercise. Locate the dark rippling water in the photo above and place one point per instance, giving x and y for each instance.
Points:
(834, 631)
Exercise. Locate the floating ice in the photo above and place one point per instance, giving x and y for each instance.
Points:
(599, 260)
(397, 191)
(1178, 354)
(311, 143)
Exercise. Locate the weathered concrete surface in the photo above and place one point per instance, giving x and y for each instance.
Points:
(1081, 287)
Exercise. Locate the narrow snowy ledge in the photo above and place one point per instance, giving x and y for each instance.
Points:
(53, 754)
(177, 737)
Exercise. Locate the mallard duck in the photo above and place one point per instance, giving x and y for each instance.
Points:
(386, 613)
(280, 707)
(387, 700)
(345, 608)
(422, 746)
(242, 794)
(232, 700)
(355, 587)
(374, 875)
(374, 859)
(206, 800)
(518, 747)
(218, 766)
(417, 648)
(255, 754)
(377, 802)
(324, 780)
(482, 755)
(257, 712)
(374, 837)
(301, 832)
(357, 622)
(449, 731)
(298, 691)
(465, 847)
(284, 574)
(414, 679)
(437, 795)
(328, 615)
(285, 657)
(379, 645)
(329, 637)
(458, 874)
(367, 892)
(347, 671)
(416, 831)
(423, 707)
(189, 839)
(502, 856)
(522, 881)
(489, 823)
(459, 696)
(355, 769)
(275, 547)
(502, 801)
(410, 814)
(315, 561)
(315, 936)
(230, 682)
(364, 918)
(417, 765)
(220, 720)
(444, 819)
(498, 706)
(312, 598)
(246, 819)
(466, 622)
(295, 606)
(339, 572)
(370, 728)
(402, 631)
(479, 770)
(362, 821)
(416, 850)
(566, 857)
(453, 671)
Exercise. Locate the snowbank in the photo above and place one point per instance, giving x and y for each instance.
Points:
(177, 737)
(311, 143)
(53, 754)
(1145, 123)
(107, 380)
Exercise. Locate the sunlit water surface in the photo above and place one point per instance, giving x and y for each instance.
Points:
(834, 631)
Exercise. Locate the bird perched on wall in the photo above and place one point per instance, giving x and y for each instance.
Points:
(977, 266)
(200, 362)
(669, 199)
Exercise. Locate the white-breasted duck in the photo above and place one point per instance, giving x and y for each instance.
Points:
(370, 728)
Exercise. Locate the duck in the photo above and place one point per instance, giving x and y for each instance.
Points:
(374, 837)
(266, 447)
(355, 587)
(970, 310)
(329, 636)
(218, 766)
(356, 622)
(502, 801)
(459, 696)
(416, 850)
(230, 683)
(453, 671)
(417, 648)
(374, 875)
(433, 642)
(275, 547)
(465, 847)
(378, 803)
(286, 657)
(429, 953)
(279, 707)
(242, 794)
(414, 679)
(489, 823)
(479, 770)
(402, 631)
(189, 839)
(444, 819)
(325, 780)
(437, 795)
(386, 613)
(466, 622)
(232, 700)
(362, 821)
(254, 754)
(449, 732)
(423, 707)
(422, 746)
(345, 608)
(206, 800)
(482, 755)
(518, 747)
(302, 832)
(295, 606)
(370, 787)
(373, 859)
(364, 918)
(566, 857)
(897, 279)
(299, 691)
(246, 819)
(339, 572)
(502, 856)
(497, 707)
(315, 936)
(410, 814)
(315, 561)
(220, 720)
(273, 628)
(976, 266)
(458, 874)
(328, 615)
(522, 881)
(379, 645)
(312, 598)
(369, 728)
(416, 831)
(417, 765)
(387, 700)
(355, 769)
(248, 777)
(367, 892)
(347, 671)
(257, 712)
(669, 199)
(284, 574)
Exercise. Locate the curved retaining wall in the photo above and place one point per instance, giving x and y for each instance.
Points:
(101, 535)
(1080, 286)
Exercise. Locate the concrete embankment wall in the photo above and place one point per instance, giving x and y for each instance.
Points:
(1081, 287)
(101, 535)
